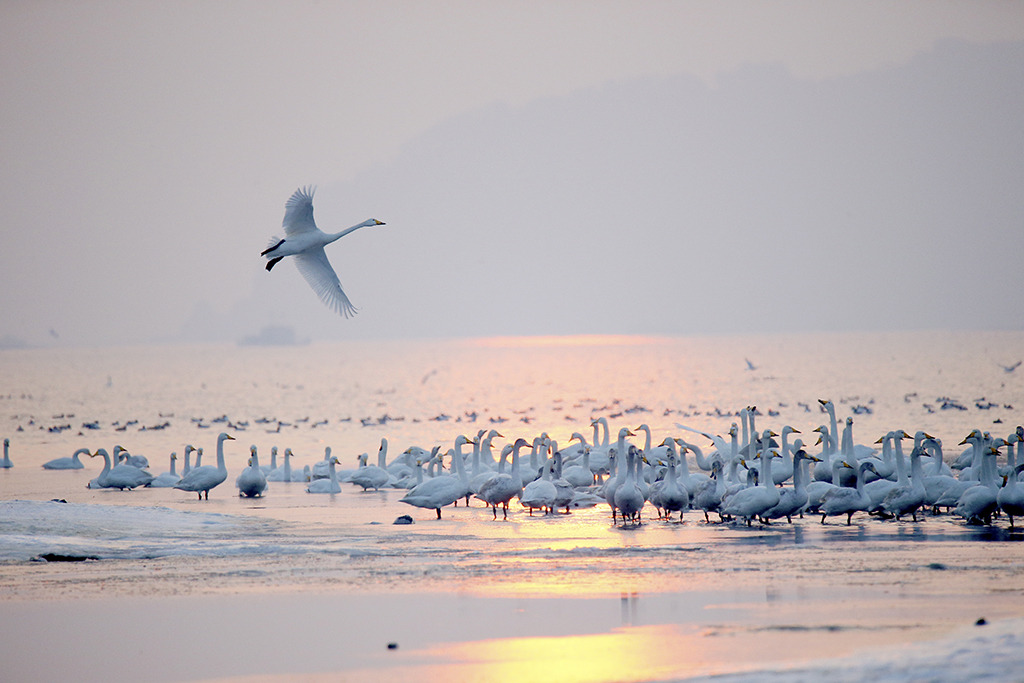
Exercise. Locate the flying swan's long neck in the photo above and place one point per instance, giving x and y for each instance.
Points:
(338, 235)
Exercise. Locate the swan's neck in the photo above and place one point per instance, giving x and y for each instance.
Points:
(332, 237)
(901, 466)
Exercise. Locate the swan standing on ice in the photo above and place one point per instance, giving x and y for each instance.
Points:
(167, 479)
(500, 488)
(442, 490)
(6, 462)
(843, 500)
(202, 479)
(306, 243)
(252, 482)
(752, 502)
(72, 463)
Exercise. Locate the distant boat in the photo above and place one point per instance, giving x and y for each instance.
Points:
(273, 335)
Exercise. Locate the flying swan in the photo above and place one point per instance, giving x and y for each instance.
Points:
(306, 243)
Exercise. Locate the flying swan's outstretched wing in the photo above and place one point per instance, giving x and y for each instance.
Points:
(314, 266)
(298, 212)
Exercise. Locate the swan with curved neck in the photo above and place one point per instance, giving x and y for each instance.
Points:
(201, 479)
(72, 463)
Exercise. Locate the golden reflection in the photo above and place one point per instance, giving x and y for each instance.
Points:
(631, 653)
(567, 340)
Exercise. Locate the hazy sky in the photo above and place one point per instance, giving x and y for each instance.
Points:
(526, 159)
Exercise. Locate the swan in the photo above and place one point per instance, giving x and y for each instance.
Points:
(580, 475)
(907, 496)
(442, 490)
(617, 460)
(72, 463)
(267, 469)
(708, 496)
(1010, 497)
(600, 453)
(202, 479)
(373, 476)
(792, 499)
(540, 493)
(752, 502)
(167, 479)
(139, 461)
(629, 500)
(817, 489)
(330, 483)
(6, 462)
(251, 482)
(977, 503)
(120, 477)
(878, 489)
(843, 500)
(188, 466)
(285, 471)
(668, 494)
(690, 481)
(956, 488)
(564, 491)
(321, 467)
(500, 488)
(306, 243)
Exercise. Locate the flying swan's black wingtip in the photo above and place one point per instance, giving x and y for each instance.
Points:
(273, 262)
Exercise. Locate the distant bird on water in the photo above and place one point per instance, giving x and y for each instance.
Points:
(306, 243)
(1010, 368)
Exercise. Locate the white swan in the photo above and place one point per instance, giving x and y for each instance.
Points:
(373, 476)
(501, 488)
(978, 503)
(251, 482)
(188, 465)
(6, 462)
(708, 496)
(330, 483)
(321, 467)
(792, 499)
(120, 477)
(629, 499)
(285, 471)
(668, 494)
(167, 479)
(540, 493)
(306, 243)
(907, 496)
(72, 463)
(1010, 497)
(267, 469)
(751, 502)
(843, 500)
(202, 479)
(442, 490)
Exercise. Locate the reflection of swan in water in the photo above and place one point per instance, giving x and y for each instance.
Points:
(167, 479)
(330, 483)
(72, 463)
(202, 479)
(252, 482)
(445, 489)
(842, 500)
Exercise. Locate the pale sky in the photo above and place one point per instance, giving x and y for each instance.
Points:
(525, 158)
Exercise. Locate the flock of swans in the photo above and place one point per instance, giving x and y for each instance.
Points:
(745, 476)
